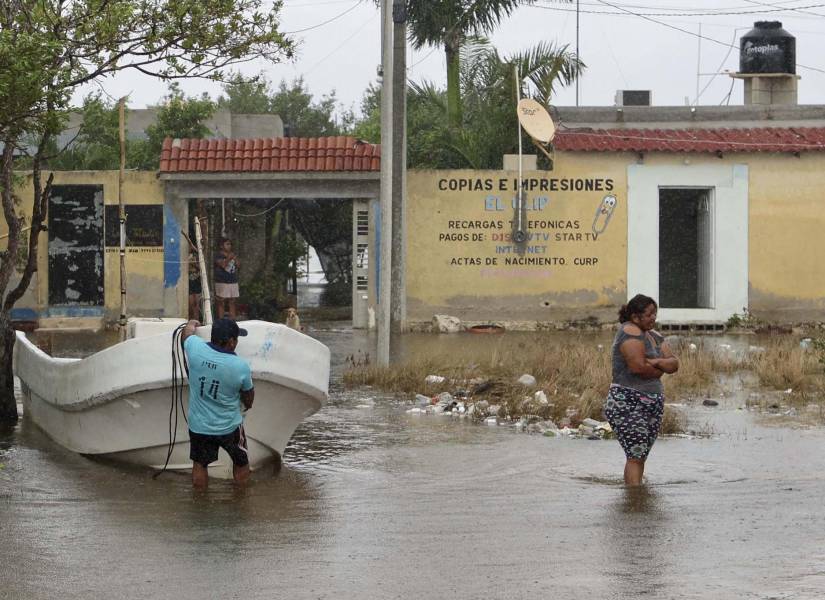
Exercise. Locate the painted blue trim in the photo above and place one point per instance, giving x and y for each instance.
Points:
(74, 311)
(171, 248)
(24, 314)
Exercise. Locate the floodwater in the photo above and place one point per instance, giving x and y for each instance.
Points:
(375, 503)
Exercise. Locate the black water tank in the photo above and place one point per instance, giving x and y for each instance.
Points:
(767, 48)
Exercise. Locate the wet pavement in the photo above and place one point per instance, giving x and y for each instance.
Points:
(375, 503)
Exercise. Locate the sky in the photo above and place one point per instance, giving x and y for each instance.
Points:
(340, 49)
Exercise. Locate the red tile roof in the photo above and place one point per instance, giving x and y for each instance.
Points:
(340, 153)
(763, 139)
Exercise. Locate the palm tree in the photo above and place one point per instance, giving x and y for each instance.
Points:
(488, 81)
(449, 23)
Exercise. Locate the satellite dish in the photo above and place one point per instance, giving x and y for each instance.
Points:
(535, 120)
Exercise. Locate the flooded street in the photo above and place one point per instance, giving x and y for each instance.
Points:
(375, 503)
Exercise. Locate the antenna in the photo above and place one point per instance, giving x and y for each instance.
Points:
(519, 235)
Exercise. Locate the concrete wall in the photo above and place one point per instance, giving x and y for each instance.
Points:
(787, 220)
(222, 124)
(460, 261)
(147, 270)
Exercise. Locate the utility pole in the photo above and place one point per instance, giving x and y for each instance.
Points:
(399, 166)
(121, 213)
(385, 227)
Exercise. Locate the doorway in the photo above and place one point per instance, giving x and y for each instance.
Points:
(703, 208)
(686, 247)
(76, 246)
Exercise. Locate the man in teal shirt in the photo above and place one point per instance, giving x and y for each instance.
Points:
(219, 383)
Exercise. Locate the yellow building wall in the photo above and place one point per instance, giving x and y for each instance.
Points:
(787, 236)
(461, 260)
(144, 265)
(457, 258)
(786, 218)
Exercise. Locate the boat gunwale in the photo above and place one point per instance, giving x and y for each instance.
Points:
(58, 365)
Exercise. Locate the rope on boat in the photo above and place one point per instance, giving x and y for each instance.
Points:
(180, 373)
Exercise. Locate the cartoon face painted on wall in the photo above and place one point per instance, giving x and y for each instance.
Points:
(604, 212)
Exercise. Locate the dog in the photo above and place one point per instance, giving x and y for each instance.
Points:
(293, 321)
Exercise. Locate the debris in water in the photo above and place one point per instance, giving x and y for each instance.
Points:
(709, 402)
(446, 324)
(422, 400)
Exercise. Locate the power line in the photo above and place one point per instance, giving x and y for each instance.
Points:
(798, 9)
(779, 6)
(687, 31)
(677, 14)
(339, 46)
(327, 22)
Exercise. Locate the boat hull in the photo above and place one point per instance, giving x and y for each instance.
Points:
(119, 403)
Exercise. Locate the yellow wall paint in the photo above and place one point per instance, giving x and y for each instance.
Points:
(786, 221)
(787, 232)
(460, 259)
(144, 266)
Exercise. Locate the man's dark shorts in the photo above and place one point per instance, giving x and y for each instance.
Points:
(203, 449)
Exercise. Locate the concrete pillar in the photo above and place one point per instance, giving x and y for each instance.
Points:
(766, 89)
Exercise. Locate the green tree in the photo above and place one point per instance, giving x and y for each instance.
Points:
(448, 24)
(50, 48)
(179, 116)
(490, 99)
(97, 143)
(247, 96)
(304, 116)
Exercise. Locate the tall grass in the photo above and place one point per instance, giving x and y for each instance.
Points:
(575, 373)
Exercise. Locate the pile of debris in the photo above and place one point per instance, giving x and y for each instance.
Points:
(463, 405)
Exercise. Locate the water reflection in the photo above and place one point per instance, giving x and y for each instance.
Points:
(636, 540)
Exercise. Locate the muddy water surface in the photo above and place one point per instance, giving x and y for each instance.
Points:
(374, 503)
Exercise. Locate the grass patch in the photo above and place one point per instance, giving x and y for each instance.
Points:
(574, 373)
(574, 376)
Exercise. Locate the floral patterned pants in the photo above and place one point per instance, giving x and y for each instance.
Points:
(636, 417)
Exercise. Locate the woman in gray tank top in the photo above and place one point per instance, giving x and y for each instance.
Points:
(635, 402)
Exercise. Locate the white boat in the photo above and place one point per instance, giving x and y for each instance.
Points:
(115, 404)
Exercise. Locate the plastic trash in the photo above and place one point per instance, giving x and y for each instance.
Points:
(434, 379)
(527, 380)
(541, 397)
